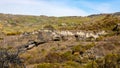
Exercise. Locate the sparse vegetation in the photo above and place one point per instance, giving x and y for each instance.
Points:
(100, 53)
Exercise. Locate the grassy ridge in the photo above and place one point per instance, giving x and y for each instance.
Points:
(16, 24)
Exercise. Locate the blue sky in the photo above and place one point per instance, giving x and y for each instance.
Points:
(59, 7)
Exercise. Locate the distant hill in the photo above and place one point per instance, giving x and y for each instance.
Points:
(17, 24)
(117, 13)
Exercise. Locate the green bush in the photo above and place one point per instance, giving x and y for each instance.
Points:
(49, 27)
(78, 48)
(69, 64)
(67, 55)
(88, 46)
(73, 64)
(47, 65)
(91, 64)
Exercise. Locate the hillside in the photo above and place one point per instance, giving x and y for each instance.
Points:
(19, 23)
(64, 42)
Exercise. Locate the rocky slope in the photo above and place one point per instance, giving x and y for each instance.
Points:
(70, 42)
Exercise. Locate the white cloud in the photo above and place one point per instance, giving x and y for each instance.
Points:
(55, 9)
(43, 7)
(5, 2)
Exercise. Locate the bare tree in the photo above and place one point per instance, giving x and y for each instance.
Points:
(10, 59)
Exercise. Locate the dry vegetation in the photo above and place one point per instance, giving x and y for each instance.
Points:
(100, 53)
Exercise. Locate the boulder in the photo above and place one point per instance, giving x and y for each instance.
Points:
(116, 29)
(56, 38)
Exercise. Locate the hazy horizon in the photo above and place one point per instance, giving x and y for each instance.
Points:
(59, 7)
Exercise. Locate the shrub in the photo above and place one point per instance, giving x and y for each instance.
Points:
(88, 46)
(47, 65)
(53, 58)
(1, 38)
(68, 64)
(73, 64)
(67, 56)
(78, 48)
(91, 64)
(49, 27)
